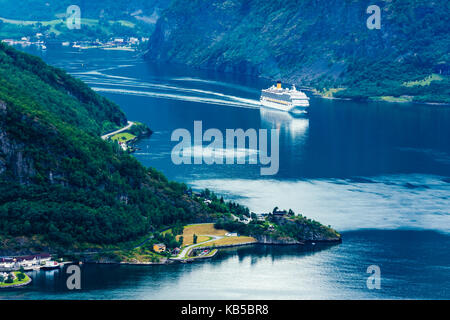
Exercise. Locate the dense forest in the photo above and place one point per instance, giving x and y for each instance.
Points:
(61, 185)
(60, 182)
(321, 44)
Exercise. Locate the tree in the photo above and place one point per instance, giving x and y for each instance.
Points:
(21, 276)
(195, 238)
(9, 279)
(180, 241)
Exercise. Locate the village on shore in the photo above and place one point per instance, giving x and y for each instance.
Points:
(12, 269)
(115, 43)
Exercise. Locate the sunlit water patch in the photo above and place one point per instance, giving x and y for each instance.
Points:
(386, 202)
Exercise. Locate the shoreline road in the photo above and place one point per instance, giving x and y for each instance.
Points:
(106, 136)
(187, 249)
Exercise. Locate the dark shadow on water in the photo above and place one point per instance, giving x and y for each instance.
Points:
(113, 276)
(276, 252)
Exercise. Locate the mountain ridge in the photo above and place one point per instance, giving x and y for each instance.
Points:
(322, 44)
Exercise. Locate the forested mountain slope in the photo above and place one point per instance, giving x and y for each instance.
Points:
(59, 181)
(63, 187)
(324, 44)
(100, 19)
(108, 9)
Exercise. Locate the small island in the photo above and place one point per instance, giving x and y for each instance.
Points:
(14, 279)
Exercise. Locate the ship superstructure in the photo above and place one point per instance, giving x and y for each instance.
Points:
(291, 100)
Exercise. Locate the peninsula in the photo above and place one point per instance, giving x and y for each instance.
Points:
(70, 188)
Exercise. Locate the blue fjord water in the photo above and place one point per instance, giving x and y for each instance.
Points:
(377, 172)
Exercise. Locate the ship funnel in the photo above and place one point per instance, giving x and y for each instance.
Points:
(278, 84)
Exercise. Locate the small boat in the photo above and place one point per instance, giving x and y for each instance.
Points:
(51, 265)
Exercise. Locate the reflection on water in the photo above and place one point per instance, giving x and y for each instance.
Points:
(293, 132)
(297, 126)
(273, 272)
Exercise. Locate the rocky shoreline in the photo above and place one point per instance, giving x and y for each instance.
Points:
(261, 241)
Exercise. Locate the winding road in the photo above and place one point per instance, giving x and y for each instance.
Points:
(130, 124)
(183, 254)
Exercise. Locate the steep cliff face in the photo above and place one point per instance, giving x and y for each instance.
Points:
(310, 42)
(11, 152)
(267, 239)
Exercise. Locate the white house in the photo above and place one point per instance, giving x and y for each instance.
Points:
(4, 275)
(25, 262)
(261, 216)
(33, 260)
(7, 263)
(231, 234)
(134, 40)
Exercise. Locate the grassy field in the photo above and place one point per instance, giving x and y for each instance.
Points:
(328, 93)
(123, 136)
(141, 254)
(393, 99)
(231, 240)
(188, 240)
(202, 231)
(16, 281)
(424, 82)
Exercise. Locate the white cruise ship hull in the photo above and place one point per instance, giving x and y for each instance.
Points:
(288, 107)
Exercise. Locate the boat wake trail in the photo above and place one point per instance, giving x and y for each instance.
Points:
(103, 82)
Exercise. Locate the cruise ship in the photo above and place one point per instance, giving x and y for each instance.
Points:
(290, 100)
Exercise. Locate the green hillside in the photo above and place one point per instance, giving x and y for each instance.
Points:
(62, 186)
(60, 182)
(49, 9)
(100, 19)
(322, 44)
